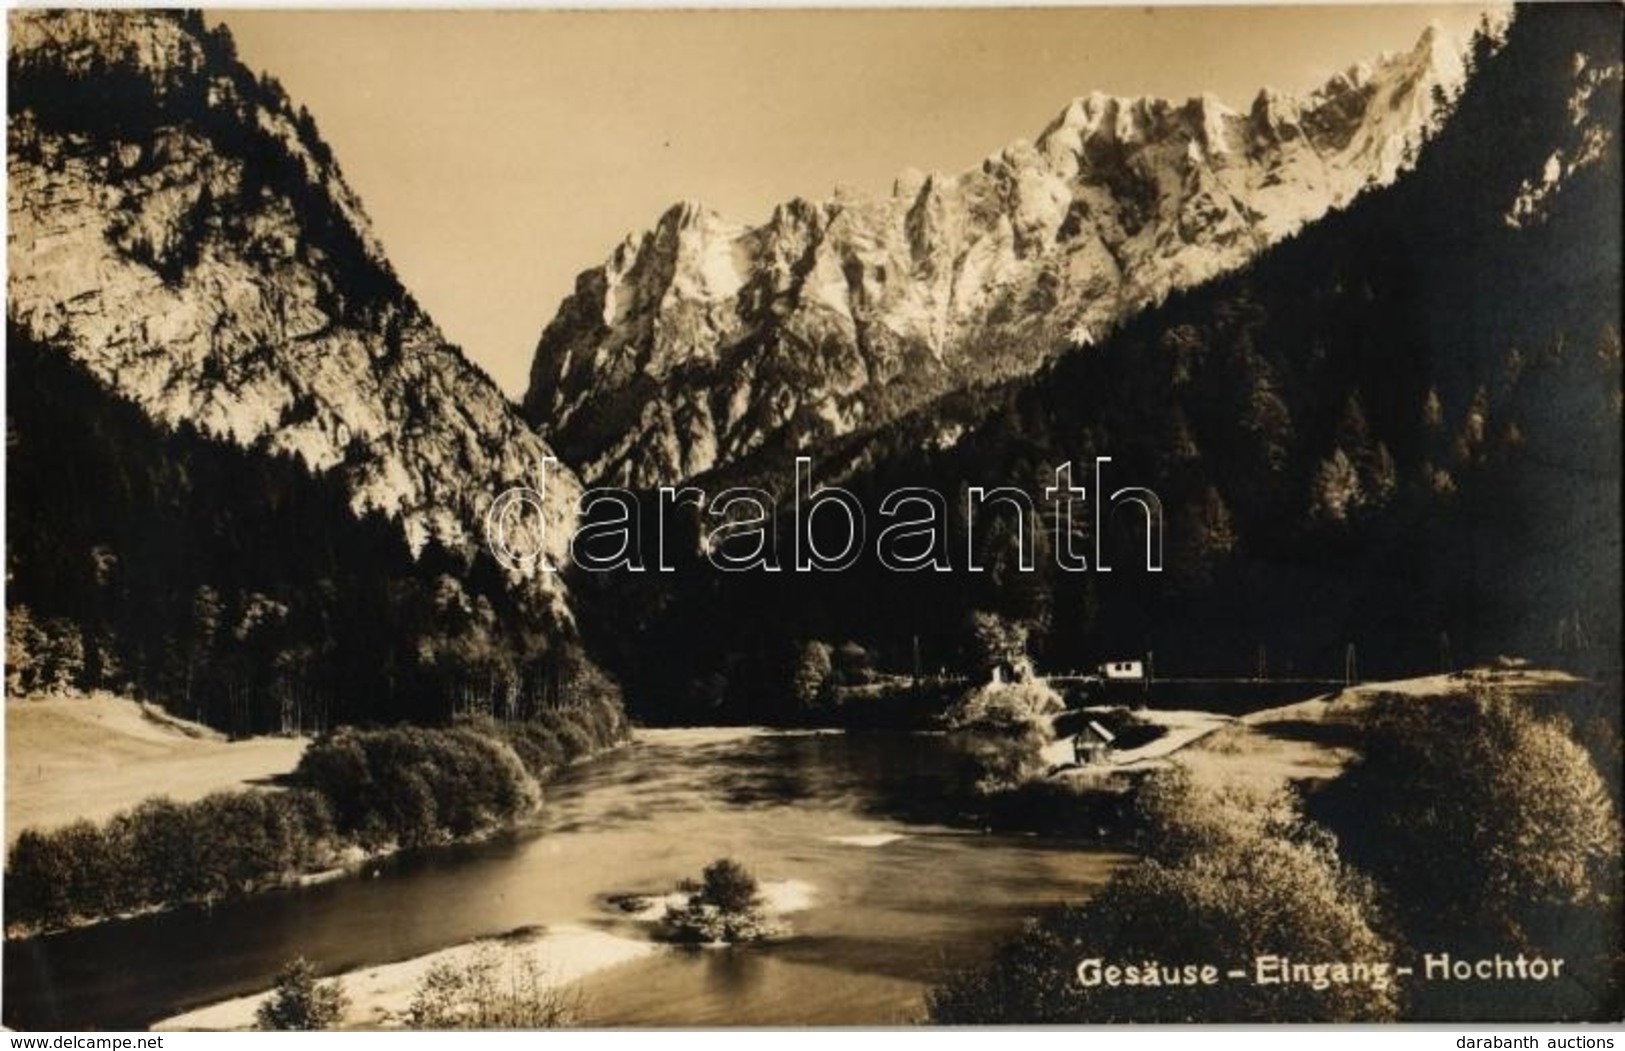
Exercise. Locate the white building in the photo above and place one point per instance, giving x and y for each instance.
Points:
(1123, 671)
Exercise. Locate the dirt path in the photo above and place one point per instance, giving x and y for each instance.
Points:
(90, 757)
(1183, 729)
(1309, 740)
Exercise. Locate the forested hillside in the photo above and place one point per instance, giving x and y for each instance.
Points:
(236, 586)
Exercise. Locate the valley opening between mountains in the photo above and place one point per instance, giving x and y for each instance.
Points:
(289, 746)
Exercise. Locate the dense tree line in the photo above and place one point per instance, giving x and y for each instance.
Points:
(372, 790)
(163, 853)
(239, 589)
(1399, 430)
(411, 787)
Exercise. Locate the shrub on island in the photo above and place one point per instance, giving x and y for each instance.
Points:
(725, 907)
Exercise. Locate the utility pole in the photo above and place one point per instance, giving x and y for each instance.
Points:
(1351, 668)
(1263, 662)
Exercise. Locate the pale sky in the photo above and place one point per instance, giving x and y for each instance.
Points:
(500, 153)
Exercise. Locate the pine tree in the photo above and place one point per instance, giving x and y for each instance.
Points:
(1337, 494)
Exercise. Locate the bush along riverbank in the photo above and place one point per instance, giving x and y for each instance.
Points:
(355, 794)
(1225, 877)
(1006, 730)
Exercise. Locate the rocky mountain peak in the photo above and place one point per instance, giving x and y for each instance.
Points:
(162, 45)
(703, 342)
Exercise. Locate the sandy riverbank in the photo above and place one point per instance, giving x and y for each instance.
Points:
(380, 996)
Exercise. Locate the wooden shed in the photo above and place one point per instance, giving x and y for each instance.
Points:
(1092, 744)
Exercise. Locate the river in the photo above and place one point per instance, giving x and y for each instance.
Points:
(902, 886)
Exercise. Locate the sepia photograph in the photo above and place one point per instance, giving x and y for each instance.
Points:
(862, 517)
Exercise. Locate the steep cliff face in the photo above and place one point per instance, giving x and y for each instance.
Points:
(704, 341)
(179, 228)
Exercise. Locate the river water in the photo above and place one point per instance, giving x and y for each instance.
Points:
(902, 887)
